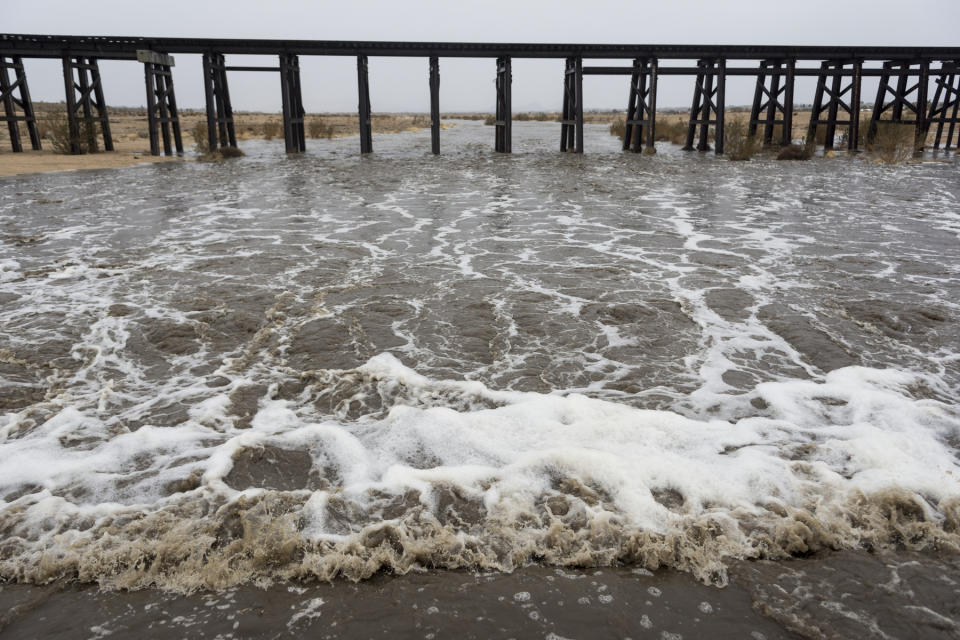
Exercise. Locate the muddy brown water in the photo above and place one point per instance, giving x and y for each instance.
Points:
(515, 396)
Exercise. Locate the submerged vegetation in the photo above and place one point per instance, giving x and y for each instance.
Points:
(796, 152)
(739, 145)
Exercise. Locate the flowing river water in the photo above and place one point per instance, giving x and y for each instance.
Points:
(279, 369)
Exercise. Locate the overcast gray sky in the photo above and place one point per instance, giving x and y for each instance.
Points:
(400, 84)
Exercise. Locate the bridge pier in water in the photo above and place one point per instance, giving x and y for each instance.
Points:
(901, 71)
(17, 109)
(84, 92)
(363, 89)
(434, 105)
(946, 113)
(641, 119)
(571, 121)
(220, 129)
(830, 84)
(708, 99)
(162, 111)
(773, 104)
(503, 120)
(902, 95)
(294, 135)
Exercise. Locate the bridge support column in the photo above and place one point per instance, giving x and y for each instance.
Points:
(220, 129)
(777, 99)
(291, 97)
(571, 127)
(948, 88)
(162, 109)
(642, 107)
(902, 71)
(11, 105)
(363, 89)
(434, 104)
(503, 122)
(830, 84)
(708, 99)
(85, 93)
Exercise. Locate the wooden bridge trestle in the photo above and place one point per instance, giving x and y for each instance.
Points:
(503, 124)
(220, 129)
(434, 105)
(773, 104)
(571, 120)
(708, 99)
(15, 109)
(84, 92)
(162, 112)
(902, 95)
(948, 87)
(640, 125)
(830, 83)
(291, 98)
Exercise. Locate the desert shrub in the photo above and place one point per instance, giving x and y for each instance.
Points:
(618, 128)
(201, 141)
(675, 132)
(738, 143)
(317, 128)
(56, 128)
(271, 130)
(893, 142)
(490, 121)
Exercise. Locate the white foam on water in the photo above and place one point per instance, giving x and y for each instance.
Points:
(129, 466)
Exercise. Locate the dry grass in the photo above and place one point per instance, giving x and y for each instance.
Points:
(55, 128)
(619, 128)
(739, 145)
(892, 143)
(317, 128)
(201, 141)
(271, 130)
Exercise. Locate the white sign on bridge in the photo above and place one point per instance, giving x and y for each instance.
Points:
(145, 55)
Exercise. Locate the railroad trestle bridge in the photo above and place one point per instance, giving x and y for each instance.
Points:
(906, 77)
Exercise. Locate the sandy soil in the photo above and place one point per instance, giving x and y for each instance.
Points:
(129, 129)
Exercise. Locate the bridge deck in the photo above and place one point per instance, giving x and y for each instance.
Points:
(124, 48)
